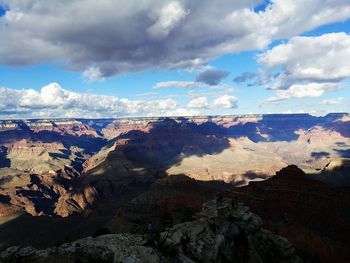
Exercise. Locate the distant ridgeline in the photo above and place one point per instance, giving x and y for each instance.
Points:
(223, 120)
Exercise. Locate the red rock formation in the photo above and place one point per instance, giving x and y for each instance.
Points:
(27, 147)
(8, 209)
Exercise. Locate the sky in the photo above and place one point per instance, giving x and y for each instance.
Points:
(108, 58)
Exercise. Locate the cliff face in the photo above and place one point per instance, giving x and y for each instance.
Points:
(251, 125)
(73, 169)
(41, 164)
(68, 126)
(218, 234)
(234, 149)
(312, 215)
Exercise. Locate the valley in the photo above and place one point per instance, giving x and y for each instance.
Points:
(70, 178)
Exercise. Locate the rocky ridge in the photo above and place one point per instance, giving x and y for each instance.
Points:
(217, 234)
(314, 216)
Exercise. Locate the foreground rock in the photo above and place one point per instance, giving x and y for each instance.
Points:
(312, 215)
(222, 234)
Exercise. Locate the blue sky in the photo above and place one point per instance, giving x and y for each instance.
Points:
(57, 59)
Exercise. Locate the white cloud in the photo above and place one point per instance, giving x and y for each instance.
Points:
(168, 18)
(288, 18)
(178, 84)
(310, 90)
(293, 112)
(167, 104)
(93, 74)
(335, 101)
(322, 58)
(200, 102)
(181, 112)
(123, 36)
(225, 102)
(306, 67)
(54, 101)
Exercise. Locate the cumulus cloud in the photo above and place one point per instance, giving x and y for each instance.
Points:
(54, 101)
(310, 90)
(123, 36)
(309, 59)
(225, 102)
(306, 66)
(212, 77)
(200, 102)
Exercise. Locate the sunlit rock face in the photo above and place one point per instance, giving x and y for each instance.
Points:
(59, 167)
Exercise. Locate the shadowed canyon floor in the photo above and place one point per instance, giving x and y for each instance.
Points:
(67, 179)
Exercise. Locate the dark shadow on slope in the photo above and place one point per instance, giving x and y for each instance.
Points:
(5, 179)
(168, 142)
(44, 231)
(282, 127)
(4, 199)
(63, 154)
(339, 126)
(290, 204)
(341, 144)
(271, 127)
(343, 153)
(97, 124)
(89, 143)
(59, 156)
(314, 216)
(4, 161)
(337, 176)
(170, 200)
(318, 155)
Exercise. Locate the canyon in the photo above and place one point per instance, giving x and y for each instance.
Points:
(71, 178)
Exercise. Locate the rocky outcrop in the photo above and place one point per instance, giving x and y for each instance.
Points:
(27, 147)
(169, 201)
(77, 202)
(58, 194)
(227, 234)
(312, 215)
(108, 248)
(218, 234)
